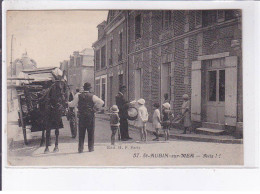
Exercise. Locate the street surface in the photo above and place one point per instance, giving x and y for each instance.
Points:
(130, 153)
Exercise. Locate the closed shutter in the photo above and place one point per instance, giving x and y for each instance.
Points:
(231, 91)
(196, 91)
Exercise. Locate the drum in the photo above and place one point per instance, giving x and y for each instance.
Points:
(132, 113)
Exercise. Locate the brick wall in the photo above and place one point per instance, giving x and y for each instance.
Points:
(173, 45)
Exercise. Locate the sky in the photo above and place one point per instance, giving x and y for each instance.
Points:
(50, 37)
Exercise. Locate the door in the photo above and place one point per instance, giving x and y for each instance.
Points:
(111, 90)
(104, 89)
(165, 81)
(215, 91)
(138, 79)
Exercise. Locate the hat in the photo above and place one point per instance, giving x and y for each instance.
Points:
(166, 105)
(185, 97)
(141, 101)
(114, 108)
(87, 86)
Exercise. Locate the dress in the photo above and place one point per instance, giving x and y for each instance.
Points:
(156, 123)
(142, 116)
(165, 119)
(185, 110)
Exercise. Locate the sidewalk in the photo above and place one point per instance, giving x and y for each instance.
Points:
(13, 130)
(177, 134)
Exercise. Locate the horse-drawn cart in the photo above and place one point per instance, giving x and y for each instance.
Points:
(34, 92)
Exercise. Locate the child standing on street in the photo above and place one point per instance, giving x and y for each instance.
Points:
(114, 122)
(185, 110)
(142, 119)
(166, 110)
(156, 121)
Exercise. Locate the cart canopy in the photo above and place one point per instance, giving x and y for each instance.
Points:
(40, 74)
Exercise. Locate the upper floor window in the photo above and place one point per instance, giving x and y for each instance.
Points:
(120, 46)
(138, 26)
(111, 52)
(103, 56)
(78, 59)
(229, 14)
(166, 19)
(111, 48)
(97, 59)
(209, 18)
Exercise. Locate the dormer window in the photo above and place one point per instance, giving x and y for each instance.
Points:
(166, 19)
(138, 26)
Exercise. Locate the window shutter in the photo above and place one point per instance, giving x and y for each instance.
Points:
(196, 91)
(231, 91)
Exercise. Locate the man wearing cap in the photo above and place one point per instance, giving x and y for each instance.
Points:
(123, 105)
(87, 103)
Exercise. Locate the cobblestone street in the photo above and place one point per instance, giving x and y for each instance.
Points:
(131, 153)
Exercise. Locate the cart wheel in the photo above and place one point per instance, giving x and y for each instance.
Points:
(24, 136)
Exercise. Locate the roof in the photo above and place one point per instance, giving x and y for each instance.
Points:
(87, 51)
(36, 70)
(40, 74)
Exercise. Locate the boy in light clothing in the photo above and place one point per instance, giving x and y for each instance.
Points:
(156, 121)
(114, 122)
(142, 119)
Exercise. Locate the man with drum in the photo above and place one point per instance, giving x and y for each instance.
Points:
(123, 105)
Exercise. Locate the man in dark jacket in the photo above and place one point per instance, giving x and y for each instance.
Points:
(123, 105)
(87, 103)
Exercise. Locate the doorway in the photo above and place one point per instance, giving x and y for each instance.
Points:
(165, 81)
(215, 91)
(138, 78)
(111, 90)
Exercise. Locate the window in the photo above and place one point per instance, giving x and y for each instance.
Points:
(78, 61)
(121, 42)
(209, 18)
(229, 14)
(222, 85)
(120, 46)
(97, 89)
(212, 85)
(166, 19)
(221, 14)
(198, 18)
(111, 52)
(138, 27)
(111, 90)
(120, 80)
(103, 88)
(97, 59)
(103, 57)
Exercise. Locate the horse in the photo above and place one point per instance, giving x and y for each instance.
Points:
(52, 104)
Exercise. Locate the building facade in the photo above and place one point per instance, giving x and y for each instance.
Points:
(194, 52)
(79, 69)
(111, 56)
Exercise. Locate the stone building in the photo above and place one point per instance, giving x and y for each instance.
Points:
(111, 56)
(177, 52)
(79, 69)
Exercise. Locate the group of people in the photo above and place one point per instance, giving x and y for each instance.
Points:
(161, 120)
(88, 103)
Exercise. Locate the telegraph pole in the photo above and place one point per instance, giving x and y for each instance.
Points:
(11, 62)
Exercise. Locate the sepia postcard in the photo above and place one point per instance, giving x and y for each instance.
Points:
(124, 88)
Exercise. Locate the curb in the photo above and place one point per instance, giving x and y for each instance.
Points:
(188, 138)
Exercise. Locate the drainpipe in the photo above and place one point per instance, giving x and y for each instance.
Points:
(127, 54)
(94, 85)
